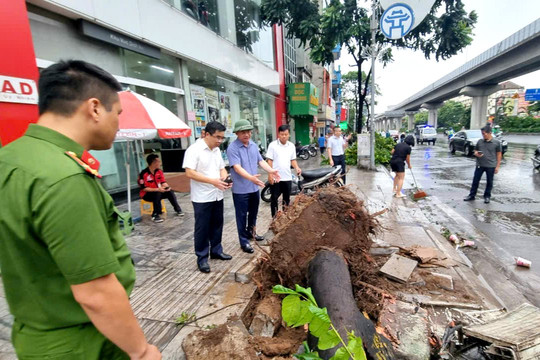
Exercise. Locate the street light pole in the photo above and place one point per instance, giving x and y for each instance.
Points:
(373, 28)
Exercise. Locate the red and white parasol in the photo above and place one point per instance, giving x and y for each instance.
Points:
(144, 119)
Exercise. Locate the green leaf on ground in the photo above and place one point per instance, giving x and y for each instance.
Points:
(328, 340)
(317, 326)
(341, 354)
(307, 292)
(295, 311)
(280, 289)
(308, 356)
(320, 313)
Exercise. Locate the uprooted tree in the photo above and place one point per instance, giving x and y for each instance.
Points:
(445, 31)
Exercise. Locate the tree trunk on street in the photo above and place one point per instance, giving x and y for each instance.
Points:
(330, 282)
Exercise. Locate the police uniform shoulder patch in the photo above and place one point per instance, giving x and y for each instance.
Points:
(88, 162)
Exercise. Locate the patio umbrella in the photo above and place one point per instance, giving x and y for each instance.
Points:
(144, 119)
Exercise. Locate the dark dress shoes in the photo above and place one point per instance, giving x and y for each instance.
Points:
(204, 267)
(258, 237)
(486, 200)
(469, 198)
(247, 249)
(221, 256)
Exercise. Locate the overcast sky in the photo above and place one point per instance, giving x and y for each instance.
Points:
(411, 72)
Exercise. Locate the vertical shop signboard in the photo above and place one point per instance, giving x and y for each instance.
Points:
(225, 112)
(199, 106)
(18, 72)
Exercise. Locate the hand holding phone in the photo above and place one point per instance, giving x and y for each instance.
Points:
(228, 180)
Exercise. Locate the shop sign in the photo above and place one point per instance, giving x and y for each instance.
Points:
(115, 38)
(18, 90)
(303, 99)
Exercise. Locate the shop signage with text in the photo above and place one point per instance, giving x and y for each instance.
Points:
(303, 99)
(18, 90)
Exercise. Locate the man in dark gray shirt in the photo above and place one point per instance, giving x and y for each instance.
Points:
(488, 154)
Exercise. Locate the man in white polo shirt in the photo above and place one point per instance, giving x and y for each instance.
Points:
(206, 169)
(281, 155)
(336, 150)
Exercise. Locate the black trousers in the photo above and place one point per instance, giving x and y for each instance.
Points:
(478, 172)
(208, 229)
(282, 187)
(246, 207)
(155, 197)
(340, 160)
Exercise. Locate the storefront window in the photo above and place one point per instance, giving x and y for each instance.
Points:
(162, 71)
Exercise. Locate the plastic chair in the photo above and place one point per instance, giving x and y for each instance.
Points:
(147, 207)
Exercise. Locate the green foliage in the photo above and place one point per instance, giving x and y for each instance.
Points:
(185, 317)
(452, 115)
(383, 149)
(351, 154)
(520, 124)
(299, 308)
(421, 118)
(325, 160)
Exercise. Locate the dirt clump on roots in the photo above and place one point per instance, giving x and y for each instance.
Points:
(333, 218)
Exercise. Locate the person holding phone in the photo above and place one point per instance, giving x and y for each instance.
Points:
(488, 154)
(154, 188)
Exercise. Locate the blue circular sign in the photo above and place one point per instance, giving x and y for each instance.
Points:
(397, 20)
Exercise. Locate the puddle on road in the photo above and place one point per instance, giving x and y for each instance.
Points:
(511, 222)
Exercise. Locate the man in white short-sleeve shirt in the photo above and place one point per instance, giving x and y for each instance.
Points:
(281, 155)
(206, 169)
(336, 150)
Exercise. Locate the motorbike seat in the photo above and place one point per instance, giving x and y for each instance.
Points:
(316, 173)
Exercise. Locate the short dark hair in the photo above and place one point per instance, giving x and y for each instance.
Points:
(214, 126)
(150, 159)
(65, 85)
(284, 127)
(486, 129)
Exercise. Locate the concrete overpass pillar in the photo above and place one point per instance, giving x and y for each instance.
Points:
(479, 104)
(432, 112)
(410, 120)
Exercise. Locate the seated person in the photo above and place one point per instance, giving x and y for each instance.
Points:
(154, 188)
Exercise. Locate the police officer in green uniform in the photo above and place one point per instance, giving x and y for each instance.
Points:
(66, 268)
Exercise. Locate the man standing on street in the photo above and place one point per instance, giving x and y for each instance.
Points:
(322, 143)
(488, 154)
(206, 169)
(66, 268)
(336, 150)
(281, 155)
(244, 157)
(154, 188)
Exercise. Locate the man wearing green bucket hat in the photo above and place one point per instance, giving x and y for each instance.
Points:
(244, 159)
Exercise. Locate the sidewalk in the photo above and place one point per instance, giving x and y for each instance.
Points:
(169, 283)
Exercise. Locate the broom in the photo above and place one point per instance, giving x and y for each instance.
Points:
(419, 194)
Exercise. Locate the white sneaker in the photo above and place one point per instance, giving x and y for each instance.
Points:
(157, 219)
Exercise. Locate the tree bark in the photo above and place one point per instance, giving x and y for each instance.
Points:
(330, 283)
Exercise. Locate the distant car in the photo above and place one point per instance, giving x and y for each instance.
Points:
(425, 133)
(466, 140)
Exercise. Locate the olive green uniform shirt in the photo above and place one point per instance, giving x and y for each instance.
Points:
(58, 227)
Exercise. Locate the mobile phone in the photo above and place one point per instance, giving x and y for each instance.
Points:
(228, 180)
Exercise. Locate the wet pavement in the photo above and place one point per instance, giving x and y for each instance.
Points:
(511, 222)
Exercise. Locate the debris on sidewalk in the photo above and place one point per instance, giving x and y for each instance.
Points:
(429, 257)
(513, 335)
(523, 262)
(399, 268)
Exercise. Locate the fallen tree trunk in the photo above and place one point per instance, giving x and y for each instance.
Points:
(330, 281)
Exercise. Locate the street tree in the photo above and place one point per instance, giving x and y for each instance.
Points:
(421, 118)
(452, 115)
(445, 31)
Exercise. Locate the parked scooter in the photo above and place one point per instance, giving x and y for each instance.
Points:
(312, 150)
(536, 158)
(311, 180)
(302, 151)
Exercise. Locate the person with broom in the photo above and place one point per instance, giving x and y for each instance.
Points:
(401, 153)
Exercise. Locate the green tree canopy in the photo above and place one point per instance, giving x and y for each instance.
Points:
(444, 32)
(452, 114)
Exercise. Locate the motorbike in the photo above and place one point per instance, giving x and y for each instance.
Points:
(311, 180)
(302, 151)
(536, 158)
(312, 150)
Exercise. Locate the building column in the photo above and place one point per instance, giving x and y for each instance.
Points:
(432, 112)
(480, 102)
(410, 120)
